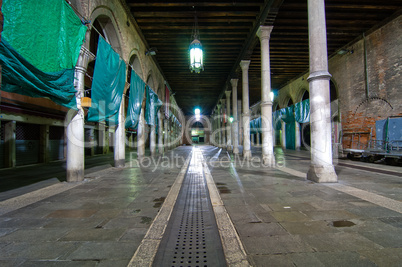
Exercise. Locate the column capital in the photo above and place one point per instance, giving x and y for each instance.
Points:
(222, 101)
(266, 103)
(234, 82)
(228, 94)
(218, 106)
(244, 64)
(264, 32)
(324, 75)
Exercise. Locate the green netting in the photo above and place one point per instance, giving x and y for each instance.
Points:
(137, 88)
(302, 111)
(47, 33)
(107, 84)
(19, 76)
(152, 107)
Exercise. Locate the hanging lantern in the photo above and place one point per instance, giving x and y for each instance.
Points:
(196, 56)
(196, 53)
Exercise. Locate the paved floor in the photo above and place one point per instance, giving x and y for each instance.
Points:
(281, 218)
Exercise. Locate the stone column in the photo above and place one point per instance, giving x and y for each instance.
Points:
(160, 132)
(228, 124)
(239, 123)
(219, 125)
(9, 144)
(268, 157)
(75, 159)
(244, 64)
(223, 124)
(235, 124)
(44, 143)
(166, 127)
(152, 141)
(120, 140)
(141, 134)
(321, 168)
(257, 139)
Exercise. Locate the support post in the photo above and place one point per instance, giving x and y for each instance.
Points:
(44, 143)
(9, 144)
(141, 134)
(152, 141)
(235, 124)
(321, 168)
(160, 132)
(244, 64)
(120, 138)
(228, 123)
(268, 157)
(219, 125)
(75, 159)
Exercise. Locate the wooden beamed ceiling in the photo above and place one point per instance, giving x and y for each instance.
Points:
(227, 32)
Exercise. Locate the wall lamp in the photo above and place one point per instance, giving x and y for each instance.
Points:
(151, 51)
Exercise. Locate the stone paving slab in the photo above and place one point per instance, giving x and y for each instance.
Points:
(301, 228)
(100, 222)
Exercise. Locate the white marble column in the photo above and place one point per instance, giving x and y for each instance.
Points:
(141, 134)
(75, 159)
(223, 124)
(268, 157)
(321, 168)
(152, 140)
(235, 124)
(239, 123)
(120, 139)
(166, 137)
(218, 126)
(228, 124)
(160, 132)
(244, 64)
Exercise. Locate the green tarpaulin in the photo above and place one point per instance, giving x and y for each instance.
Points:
(152, 107)
(19, 76)
(302, 111)
(47, 33)
(255, 125)
(107, 84)
(137, 88)
(276, 120)
(40, 45)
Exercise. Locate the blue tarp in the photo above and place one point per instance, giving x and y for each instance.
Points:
(152, 107)
(107, 84)
(137, 88)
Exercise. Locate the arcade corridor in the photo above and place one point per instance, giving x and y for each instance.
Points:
(200, 133)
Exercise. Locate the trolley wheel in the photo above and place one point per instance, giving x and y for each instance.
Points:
(371, 159)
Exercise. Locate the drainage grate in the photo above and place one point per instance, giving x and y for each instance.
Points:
(191, 237)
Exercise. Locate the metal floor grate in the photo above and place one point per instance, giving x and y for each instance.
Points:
(192, 237)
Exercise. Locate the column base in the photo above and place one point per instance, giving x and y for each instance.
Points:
(120, 163)
(236, 150)
(247, 154)
(322, 174)
(268, 160)
(75, 176)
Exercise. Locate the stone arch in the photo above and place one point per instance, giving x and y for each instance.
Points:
(206, 124)
(302, 94)
(150, 80)
(288, 101)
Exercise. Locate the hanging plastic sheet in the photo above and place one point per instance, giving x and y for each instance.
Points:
(40, 45)
(252, 127)
(19, 76)
(152, 107)
(290, 127)
(107, 84)
(302, 111)
(137, 88)
(47, 33)
(276, 120)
